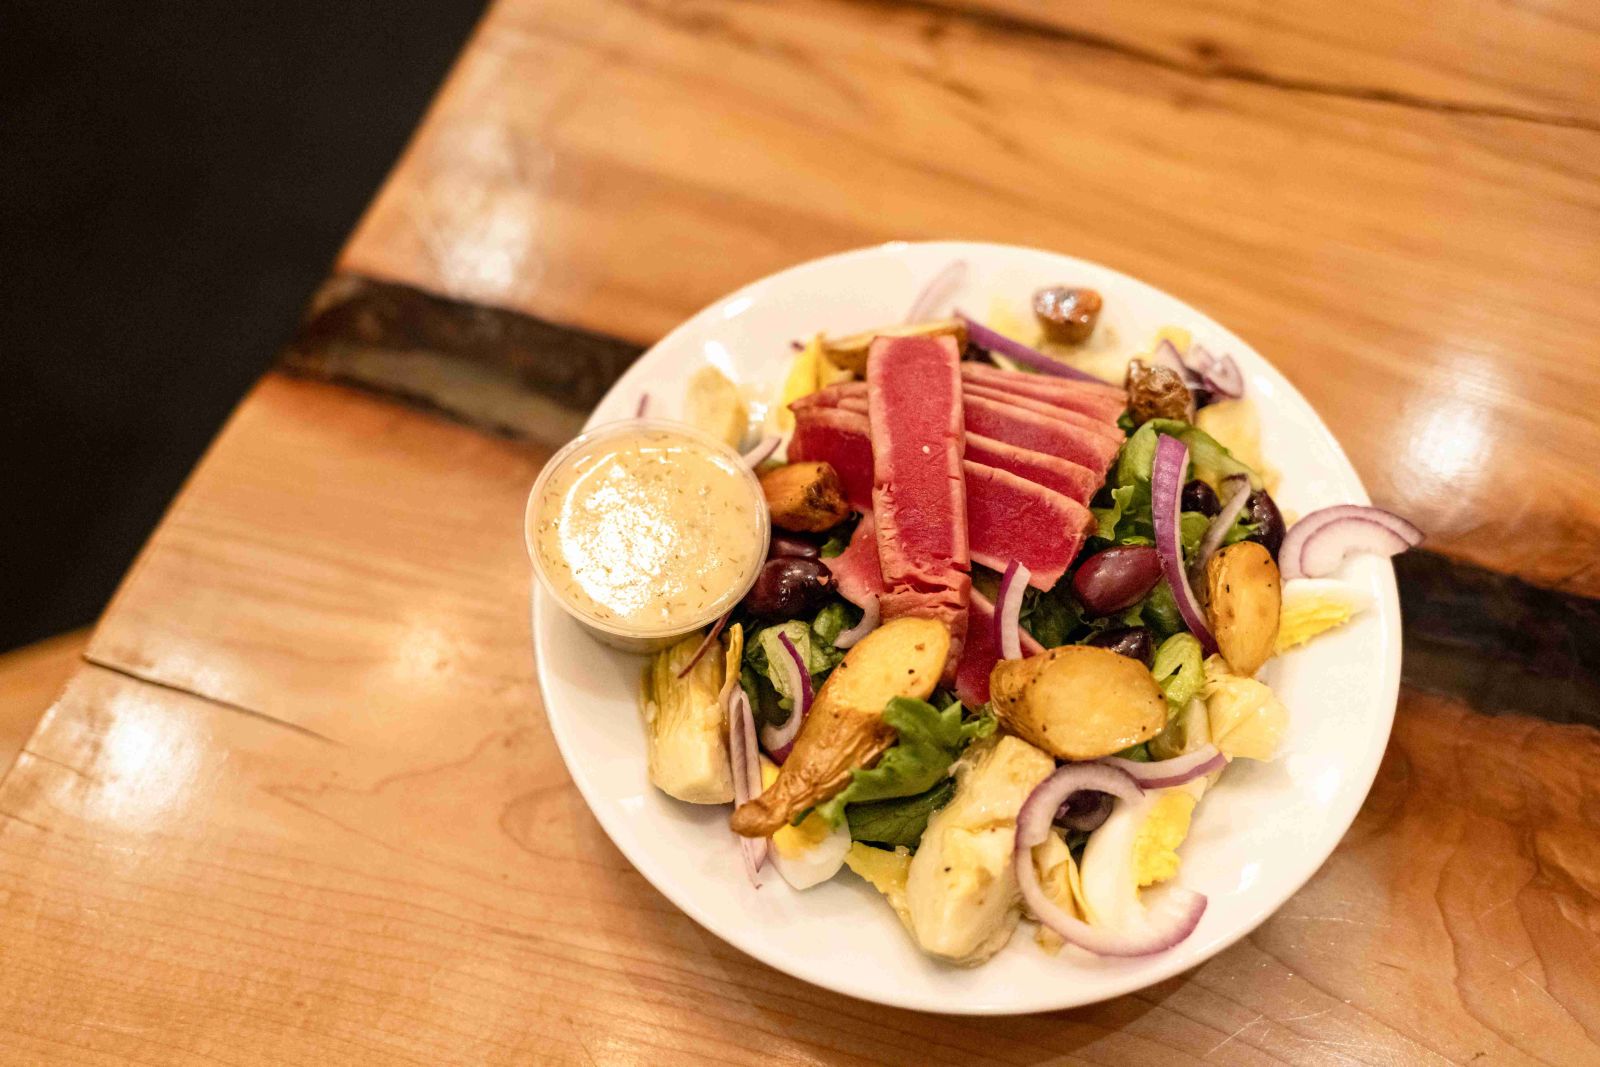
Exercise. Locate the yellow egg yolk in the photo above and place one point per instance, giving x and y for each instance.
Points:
(1155, 846)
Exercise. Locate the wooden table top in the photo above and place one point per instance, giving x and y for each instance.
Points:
(300, 805)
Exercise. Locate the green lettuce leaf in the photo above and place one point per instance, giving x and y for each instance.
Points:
(930, 741)
(900, 821)
(832, 621)
(1051, 617)
(762, 672)
(1179, 668)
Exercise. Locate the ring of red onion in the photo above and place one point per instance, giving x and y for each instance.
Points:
(1329, 546)
(746, 767)
(1224, 378)
(1167, 924)
(779, 740)
(1166, 488)
(764, 448)
(1164, 774)
(1008, 610)
(940, 288)
(1291, 553)
(1221, 524)
(870, 615)
(711, 636)
(1166, 355)
(980, 335)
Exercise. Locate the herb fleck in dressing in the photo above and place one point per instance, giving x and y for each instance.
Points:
(648, 531)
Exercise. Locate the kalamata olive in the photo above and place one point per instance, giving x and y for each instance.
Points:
(1262, 512)
(1067, 315)
(789, 587)
(1117, 578)
(1135, 642)
(792, 546)
(1198, 496)
(1084, 810)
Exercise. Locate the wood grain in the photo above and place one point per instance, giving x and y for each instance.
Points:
(188, 884)
(355, 823)
(303, 806)
(1530, 61)
(344, 566)
(654, 156)
(30, 680)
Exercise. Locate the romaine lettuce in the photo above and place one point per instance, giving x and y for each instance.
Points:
(930, 741)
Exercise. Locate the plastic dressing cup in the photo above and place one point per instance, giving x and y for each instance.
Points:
(645, 530)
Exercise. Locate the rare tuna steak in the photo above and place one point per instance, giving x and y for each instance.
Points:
(1020, 505)
(918, 491)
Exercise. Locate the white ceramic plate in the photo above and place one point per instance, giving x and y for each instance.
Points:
(1256, 838)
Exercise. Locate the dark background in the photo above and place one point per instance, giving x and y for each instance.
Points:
(175, 180)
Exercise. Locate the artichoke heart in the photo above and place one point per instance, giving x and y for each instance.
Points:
(685, 723)
(962, 888)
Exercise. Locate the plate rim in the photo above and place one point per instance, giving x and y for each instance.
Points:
(1387, 607)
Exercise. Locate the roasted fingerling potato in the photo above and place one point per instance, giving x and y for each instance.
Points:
(805, 497)
(845, 729)
(1244, 598)
(1078, 702)
(850, 353)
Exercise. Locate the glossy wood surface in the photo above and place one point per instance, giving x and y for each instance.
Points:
(1423, 274)
(307, 848)
(30, 680)
(302, 806)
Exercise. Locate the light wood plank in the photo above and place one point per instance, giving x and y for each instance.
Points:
(343, 565)
(30, 679)
(188, 884)
(1425, 278)
(1533, 59)
(476, 903)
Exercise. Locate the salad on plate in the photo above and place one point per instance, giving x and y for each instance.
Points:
(969, 610)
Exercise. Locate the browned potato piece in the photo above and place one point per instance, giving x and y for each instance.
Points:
(1245, 602)
(851, 352)
(845, 730)
(1156, 393)
(805, 497)
(1078, 702)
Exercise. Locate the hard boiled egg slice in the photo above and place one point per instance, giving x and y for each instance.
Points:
(1313, 606)
(811, 853)
(1136, 847)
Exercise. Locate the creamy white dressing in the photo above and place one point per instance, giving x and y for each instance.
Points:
(648, 531)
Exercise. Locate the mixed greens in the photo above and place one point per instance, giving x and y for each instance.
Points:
(1066, 787)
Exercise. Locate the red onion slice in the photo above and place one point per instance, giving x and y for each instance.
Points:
(1291, 555)
(746, 761)
(870, 614)
(716, 629)
(764, 448)
(1166, 355)
(1008, 610)
(940, 288)
(1224, 378)
(1167, 923)
(1221, 524)
(1166, 488)
(779, 740)
(983, 337)
(1164, 774)
(1328, 547)
(1200, 358)
(644, 406)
